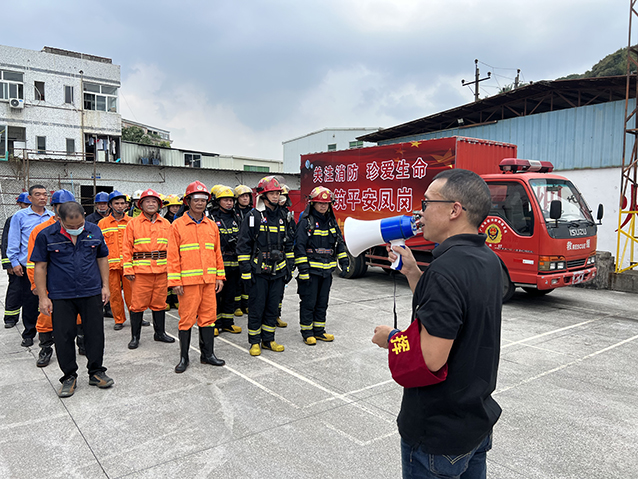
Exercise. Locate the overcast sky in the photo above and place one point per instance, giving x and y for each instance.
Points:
(241, 76)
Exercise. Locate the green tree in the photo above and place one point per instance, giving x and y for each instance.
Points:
(132, 133)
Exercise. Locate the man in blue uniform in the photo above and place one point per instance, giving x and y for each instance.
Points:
(102, 208)
(22, 224)
(71, 263)
(13, 298)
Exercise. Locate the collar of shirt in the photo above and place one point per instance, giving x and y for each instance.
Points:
(467, 240)
(64, 233)
(31, 212)
(145, 218)
(198, 222)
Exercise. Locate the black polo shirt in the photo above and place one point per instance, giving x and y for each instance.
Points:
(459, 297)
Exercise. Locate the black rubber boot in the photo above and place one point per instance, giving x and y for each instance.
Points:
(206, 345)
(184, 344)
(136, 329)
(159, 324)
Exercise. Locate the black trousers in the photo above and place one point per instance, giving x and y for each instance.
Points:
(226, 298)
(263, 307)
(30, 305)
(13, 300)
(314, 294)
(64, 317)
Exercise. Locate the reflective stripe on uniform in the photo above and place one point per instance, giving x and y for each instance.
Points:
(314, 264)
(268, 329)
(162, 240)
(301, 259)
(142, 241)
(174, 276)
(254, 332)
(13, 312)
(304, 275)
(192, 272)
(189, 247)
(243, 257)
(209, 246)
(245, 276)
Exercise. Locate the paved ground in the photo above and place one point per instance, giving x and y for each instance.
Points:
(567, 384)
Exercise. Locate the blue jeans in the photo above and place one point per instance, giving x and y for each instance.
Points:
(419, 464)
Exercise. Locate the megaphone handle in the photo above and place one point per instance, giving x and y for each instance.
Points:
(398, 263)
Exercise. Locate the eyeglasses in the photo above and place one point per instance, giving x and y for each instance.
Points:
(424, 203)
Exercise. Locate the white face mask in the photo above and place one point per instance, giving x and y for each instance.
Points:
(76, 232)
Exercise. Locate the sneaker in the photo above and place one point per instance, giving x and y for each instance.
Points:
(325, 337)
(238, 312)
(232, 329)
(68, 388)
(255, 350)
(311, 341)
(118, 326)
(44, 358)
(101, 380)
(281, 324)
(273, 346)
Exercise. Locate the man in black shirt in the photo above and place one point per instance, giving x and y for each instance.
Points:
(446, 428)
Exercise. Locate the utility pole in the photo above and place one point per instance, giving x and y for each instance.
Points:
(476, 81)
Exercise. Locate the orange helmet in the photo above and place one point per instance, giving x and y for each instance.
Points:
(321, 194)
(149, 194)
(196, 187)
(268, 183)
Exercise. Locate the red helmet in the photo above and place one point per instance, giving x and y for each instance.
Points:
(149, 194)
(321, 194)
(268, 183)
(196, 187)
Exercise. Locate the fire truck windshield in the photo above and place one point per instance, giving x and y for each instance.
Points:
(573, 206)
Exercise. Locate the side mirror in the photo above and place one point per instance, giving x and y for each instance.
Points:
(599, 216)
(555, 209)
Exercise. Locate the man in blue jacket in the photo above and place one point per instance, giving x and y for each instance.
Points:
(71, 264)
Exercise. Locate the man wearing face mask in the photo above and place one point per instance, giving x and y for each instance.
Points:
(101, 208)
(44, 326)
(265, 261)
(144, 253)
(113, 228)
(71, 277)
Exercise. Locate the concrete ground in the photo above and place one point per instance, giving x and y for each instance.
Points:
(567, 385)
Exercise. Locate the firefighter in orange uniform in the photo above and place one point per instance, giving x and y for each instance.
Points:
(44, 326)
(144, 253)
(196, 274)
(113, 228)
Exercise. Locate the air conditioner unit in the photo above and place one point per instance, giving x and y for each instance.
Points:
(16, 103)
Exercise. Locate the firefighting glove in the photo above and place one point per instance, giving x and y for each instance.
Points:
(344, 264)
(304, 273)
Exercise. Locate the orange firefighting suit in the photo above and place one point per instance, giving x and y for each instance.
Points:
(44, 324)
(195, 262)
(113, 231)
(144, 252)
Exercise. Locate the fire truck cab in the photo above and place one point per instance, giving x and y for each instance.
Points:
(540, 226)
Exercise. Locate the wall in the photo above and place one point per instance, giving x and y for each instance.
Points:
(53, 118)
(317, 142)
(584, 137)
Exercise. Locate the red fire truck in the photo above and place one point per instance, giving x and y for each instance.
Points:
(540, 225)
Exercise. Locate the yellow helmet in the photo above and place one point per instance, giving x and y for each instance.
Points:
(242, 190)
(214, 190)
(224, 192)
(172, 200)
(284, 189)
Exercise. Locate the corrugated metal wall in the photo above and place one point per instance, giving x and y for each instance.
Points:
(577, 138)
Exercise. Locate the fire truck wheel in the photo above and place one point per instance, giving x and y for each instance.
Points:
(358, 266)
(508, 286)
(537, 292)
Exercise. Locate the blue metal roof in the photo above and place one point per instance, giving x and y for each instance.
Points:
(575, 138)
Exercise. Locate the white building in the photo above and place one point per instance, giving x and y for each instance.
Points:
(328, 139)
(58, 104)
